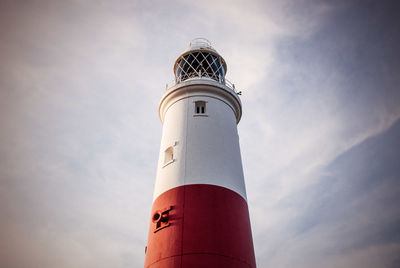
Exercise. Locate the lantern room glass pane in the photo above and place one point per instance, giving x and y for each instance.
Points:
(200, 64)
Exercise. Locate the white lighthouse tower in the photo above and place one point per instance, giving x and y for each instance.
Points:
(200, 216)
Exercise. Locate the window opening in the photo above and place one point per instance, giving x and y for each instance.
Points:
(200, 107)
(169, 155)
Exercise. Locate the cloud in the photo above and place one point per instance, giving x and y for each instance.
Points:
(80, 83)
(321, 100)
(350, 216)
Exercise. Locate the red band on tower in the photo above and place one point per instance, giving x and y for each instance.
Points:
(209, 226)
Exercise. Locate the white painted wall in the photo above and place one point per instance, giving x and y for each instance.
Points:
(206, 148)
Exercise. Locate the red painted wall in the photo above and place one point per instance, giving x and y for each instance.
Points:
(208, 226)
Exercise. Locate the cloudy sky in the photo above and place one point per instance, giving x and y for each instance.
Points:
(80, 83)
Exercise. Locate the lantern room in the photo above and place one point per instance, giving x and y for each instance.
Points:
(200, 60)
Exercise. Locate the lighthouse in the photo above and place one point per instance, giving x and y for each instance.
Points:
(200, 216)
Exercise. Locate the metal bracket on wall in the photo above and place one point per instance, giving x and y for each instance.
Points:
(161, 218)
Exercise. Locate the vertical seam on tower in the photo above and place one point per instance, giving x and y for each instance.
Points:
(186, 137)
(183, 221)
(184, 177)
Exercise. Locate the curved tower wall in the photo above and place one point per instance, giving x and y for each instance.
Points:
(200, 216)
